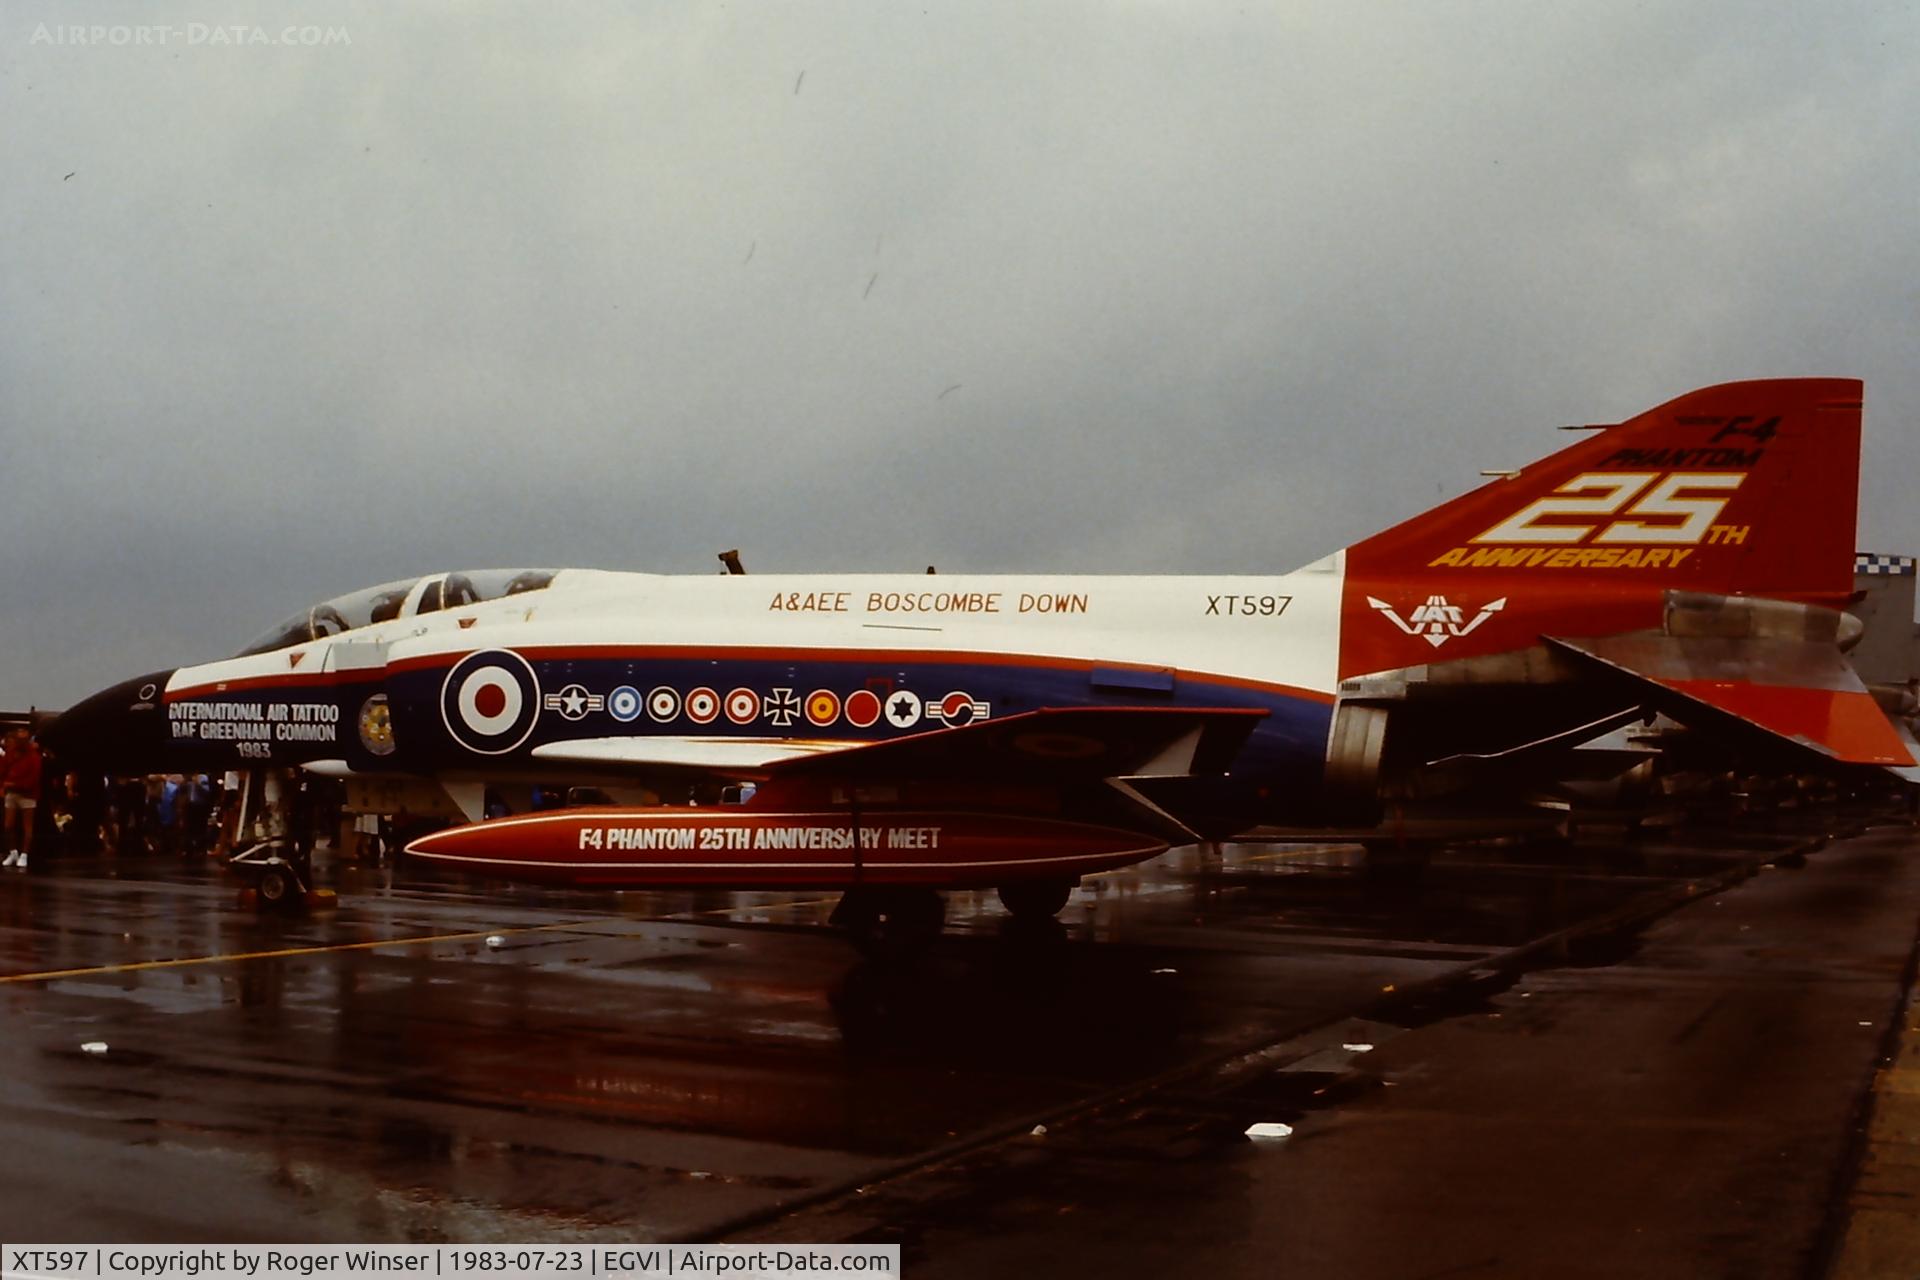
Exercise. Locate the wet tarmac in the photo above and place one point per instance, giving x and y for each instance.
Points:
(1527, 1060)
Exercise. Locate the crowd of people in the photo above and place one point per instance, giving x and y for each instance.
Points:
(54, 812)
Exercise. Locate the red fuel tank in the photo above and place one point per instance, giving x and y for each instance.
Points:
(677, 847)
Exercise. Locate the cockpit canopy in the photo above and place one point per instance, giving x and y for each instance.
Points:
(405, 599)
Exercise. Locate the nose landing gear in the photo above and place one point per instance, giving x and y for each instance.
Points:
(281, 877)
(278, 868)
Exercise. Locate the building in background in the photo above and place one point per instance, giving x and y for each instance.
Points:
(1889, 651)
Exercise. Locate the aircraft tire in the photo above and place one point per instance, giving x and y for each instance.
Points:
(279, 888)
(891, 924)
(1036, 899)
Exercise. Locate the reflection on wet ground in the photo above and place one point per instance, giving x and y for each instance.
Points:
(651, 1066)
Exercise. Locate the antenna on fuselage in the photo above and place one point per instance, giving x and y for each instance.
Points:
(731, 559)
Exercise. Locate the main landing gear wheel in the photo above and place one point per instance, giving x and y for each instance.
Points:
(890, 924)
(1029, 900)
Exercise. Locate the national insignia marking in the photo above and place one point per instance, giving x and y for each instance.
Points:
(663, 704)
(624, 705)
(783, 707)
(703, 706)
(574, 702)
(957, 708)
(490, 701)
(743, 706)
(903, 709)
(863, 708)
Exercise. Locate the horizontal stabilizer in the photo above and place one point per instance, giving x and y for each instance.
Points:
(1798, 691)
(1559, 756)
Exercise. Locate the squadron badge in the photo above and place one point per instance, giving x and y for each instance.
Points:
(376, 725)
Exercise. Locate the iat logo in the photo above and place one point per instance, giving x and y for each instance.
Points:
(1438, 621)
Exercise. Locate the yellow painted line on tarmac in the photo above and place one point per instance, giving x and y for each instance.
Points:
(241, 956)
(1313, 851)
(753, 910)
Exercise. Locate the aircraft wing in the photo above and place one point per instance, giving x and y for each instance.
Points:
(1797, 691)
(733, 757)
(1053, 745)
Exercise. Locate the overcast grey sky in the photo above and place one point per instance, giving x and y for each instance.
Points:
(1092, 287)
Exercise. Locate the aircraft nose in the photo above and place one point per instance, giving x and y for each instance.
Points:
(121, 729)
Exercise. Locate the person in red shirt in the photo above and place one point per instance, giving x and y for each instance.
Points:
(20, 793)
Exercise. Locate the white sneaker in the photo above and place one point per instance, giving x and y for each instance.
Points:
(23, 862)
(13, 856)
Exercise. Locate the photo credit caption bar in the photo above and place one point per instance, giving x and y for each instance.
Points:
(448, 1261)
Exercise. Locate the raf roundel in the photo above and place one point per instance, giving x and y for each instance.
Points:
(490, 701)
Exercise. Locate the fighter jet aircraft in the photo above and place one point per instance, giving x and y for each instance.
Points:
(909, 734)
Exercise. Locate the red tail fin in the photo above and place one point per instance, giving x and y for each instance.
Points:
(1749, 488)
